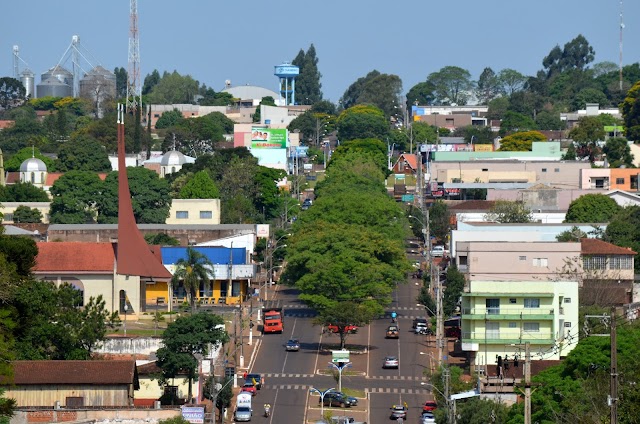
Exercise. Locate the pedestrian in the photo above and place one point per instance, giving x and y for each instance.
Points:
(244, 375)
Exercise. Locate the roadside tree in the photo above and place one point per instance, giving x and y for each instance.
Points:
(343, 315)
(193, 271)
(185, 338)
(362, 121)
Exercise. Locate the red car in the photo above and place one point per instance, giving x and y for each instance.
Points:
(348, 329)
(429, 406)
(249, 388)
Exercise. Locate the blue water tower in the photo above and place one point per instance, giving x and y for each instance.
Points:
(287, 74)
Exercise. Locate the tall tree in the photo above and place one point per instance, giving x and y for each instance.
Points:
(618, 152)
(121, 82)
(193, 271)
(82, 153)
(575, 55)
(453, 85)
(201, 186)
(74, 197)
(511, 81)
(423, 93)
(174, 88)
(150, 81)
(185, 338)
(353, 92)
(308, 86)
(630, 108)
(587, 134)
(593, 208)
(12, 93)
(362, 121)
(507, 212)
(488, 86)
(382, 91)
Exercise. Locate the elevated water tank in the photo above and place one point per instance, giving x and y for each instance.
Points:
(28, 81)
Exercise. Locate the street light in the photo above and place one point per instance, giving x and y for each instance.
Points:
(322, 394)
(126, 308)
(450, 417)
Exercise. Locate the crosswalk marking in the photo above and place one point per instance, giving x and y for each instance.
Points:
(396, 377)
(397, 391)
(287, 386)
(275, 375)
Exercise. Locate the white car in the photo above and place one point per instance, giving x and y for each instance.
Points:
(437, 251)
(427, 418)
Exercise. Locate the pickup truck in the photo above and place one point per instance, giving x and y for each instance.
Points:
(393, 332)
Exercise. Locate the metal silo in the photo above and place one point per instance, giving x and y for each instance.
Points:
(59, 73)
(28, 80)
(53, 87)
(98, 81)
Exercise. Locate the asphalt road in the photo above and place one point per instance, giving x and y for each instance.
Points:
(290, 375)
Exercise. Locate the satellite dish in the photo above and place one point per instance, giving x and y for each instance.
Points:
(218, 387)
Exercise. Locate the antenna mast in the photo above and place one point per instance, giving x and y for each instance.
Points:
(134, 89)
(621, 28)
(16, 55)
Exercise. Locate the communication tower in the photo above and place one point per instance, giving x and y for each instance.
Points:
(134, 89)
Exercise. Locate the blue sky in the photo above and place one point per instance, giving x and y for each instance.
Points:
(214, 40)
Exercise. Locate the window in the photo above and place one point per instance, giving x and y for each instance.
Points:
(567, 325)
(540, 262)
(485, 169)
(513, 325)
(619, 180)
(493, 306)
(620, 262)
(594, 262)
(532, 303)
(206, 214)
(567, 300)
(544, 169)
(556, 170)
(512, 301)
(74, 402)
(634, 182)
(462, 261)
(531, 327)
(522, 258)
(156, 115)
(8, 217)
(182, 214)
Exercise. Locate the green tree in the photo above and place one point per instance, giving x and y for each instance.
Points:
(238, 190)
(269, 197)
(575, 55)
(308, 86)
(161, 239)
(595, 208)
(223, 397)
(12, 93)
(439, 220)
(174, 88)
(192, 271)
(170, 118)
(571, 153)
(589, 95)
(547, 120)
(573, 234)
(23, 192)
(26, 214)
(618, 152)
(371, 147)
(149, 197)
(514, 122)
(150, 81)
(488, 87)
(267, 101)
(630, 109)
(185, 338)
(452, 85)
(13, 164)
(586, 134)
(507, 212)
(74, 197)
(353, 92)
(212, 98)
(82, 153)
(344, 314)
(511, 81)
(382, 91)
(361, 122)
(423, 93)
(520, 141)
(201, 186)
(452, 291)
(121, 82)
(623, 230)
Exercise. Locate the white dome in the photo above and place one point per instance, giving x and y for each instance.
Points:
(173, 158)
(33, 165)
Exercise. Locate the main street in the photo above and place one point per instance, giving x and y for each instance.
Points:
(290, 375)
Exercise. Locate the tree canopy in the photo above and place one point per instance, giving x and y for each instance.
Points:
(200, 186)
(453, 85)
(520, 141)
(596, 208)
(362, 121)
(308, 85)
(82, 153)
(508, 212)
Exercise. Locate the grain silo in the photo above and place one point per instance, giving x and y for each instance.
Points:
(97, 86)
(27, 78)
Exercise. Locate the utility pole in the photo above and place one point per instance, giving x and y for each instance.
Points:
(527, 383)
(613, 401)
(447, 379)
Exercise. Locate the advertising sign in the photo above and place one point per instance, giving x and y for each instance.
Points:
(244, 399)
(339, 356)
(193, 414)
(268, 138)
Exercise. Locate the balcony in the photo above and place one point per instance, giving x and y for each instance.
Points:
(509, 337)
(505, 313)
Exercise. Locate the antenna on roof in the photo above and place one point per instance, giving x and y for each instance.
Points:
(621, 28)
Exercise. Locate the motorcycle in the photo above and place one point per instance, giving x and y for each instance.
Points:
(267, 410)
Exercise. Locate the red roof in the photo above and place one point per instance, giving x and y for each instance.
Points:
(412, 160)
(13, 177)
(77, 257)
(5, 123)
(74, 372)
(591, 246)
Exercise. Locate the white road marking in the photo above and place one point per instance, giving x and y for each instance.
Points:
(295, 321)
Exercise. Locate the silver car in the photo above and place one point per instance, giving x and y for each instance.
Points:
(390, 362)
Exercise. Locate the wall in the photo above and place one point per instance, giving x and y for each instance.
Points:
(8, 208)
(125, 416)
(194, 207)
(625, 174)
(130, 345)
(47, 395)
(542, 217)
(587, 177)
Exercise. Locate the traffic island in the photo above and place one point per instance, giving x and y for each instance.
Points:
(317, 414)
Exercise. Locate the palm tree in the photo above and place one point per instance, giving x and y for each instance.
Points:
(191, 270)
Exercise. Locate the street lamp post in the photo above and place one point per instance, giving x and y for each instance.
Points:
(322, 394)
(126, 308)
(450, 411)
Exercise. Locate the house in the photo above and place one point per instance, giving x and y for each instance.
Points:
(194, 211)
(406, 164)
(151, 389)
(73, 384)
(606, 273)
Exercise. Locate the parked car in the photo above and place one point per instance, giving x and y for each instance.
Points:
(390, 362)
(352, 329)
(249, 387)
(256, 379)
(293, 345)
(438, 251)
(417, 321)
(430, 405)
(341, 420)
(338, 399)
(398, 411)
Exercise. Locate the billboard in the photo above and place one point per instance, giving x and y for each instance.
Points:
(193, 414)
(339, 356)
(268, 138)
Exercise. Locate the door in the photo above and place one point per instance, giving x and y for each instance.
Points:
(493, 306)
(493, 330)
